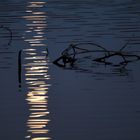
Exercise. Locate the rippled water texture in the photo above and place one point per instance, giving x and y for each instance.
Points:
(41, 101)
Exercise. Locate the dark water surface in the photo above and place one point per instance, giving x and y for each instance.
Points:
(40, 101)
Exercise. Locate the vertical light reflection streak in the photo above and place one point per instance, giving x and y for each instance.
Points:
(36, 77)
(36, 24)
(36, 71)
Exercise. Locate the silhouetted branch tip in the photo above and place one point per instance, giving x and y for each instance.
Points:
(10, 32)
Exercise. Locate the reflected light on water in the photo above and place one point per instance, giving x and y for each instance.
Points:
(35, 24)
(43, 138)
(36, 71)
(37, 96)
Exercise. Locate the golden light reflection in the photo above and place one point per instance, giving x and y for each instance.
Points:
(34, 74)
(38, 13)
(37, 82)
(33, 45)
(35, 79)
(38, 114)
(36, 24)
(36, 68)
(33, 93)
(36, 71)
(39, 22)
(37, 96)
(41, 138)
(39, 106)
(37, 126)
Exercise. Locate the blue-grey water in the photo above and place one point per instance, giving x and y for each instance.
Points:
(41, 101)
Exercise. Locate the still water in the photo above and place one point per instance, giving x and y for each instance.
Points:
(41, 101)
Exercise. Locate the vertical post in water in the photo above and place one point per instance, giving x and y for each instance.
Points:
(19, 68)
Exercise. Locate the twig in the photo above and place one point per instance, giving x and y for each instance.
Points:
(11, 34)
